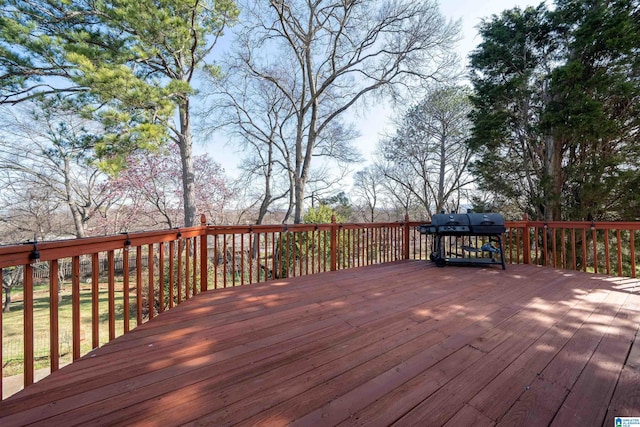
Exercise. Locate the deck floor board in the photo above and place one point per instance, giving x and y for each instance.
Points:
(401, 343)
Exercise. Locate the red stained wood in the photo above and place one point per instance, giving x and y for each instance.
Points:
(470, 416)
(27, 291)
(95, 299)
(536, 406)
(75, 305)
(54, 352)
(403, 343)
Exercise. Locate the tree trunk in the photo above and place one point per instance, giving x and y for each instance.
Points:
(443, 163)
(299, 198)
(75, 213)
(188, 171)
(77, 220)
(266, 200)
(303, 175)
(554, 180)
(6, 308)
(292, 196)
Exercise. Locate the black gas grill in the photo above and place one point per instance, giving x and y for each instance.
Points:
(471, 238)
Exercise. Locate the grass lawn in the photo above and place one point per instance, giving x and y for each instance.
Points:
(12, 324)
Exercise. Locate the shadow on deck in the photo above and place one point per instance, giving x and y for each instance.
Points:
(401, 343)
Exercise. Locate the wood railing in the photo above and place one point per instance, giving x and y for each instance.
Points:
(72, 296)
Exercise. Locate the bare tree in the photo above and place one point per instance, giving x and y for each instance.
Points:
(256, 116)
(11, 278)
(367, 188)
(401, 201)
(30, 210)
(262, 120)
(428, 155)
(322, 57)
(45, 157)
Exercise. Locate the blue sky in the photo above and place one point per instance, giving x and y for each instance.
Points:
(471, 13)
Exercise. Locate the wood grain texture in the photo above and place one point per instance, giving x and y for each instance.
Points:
(402, 343)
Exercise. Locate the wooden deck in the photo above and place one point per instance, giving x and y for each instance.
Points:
(403, 343)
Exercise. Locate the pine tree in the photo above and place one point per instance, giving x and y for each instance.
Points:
(128, 62)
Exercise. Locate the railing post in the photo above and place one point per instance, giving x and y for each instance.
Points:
(526, 240)
(204, 279)
(405, 242)
(334, 243)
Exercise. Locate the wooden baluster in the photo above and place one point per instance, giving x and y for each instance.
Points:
(204, 256)
(594, 237)
(526, 245)
(180, 272)
(125, 288)
(304, 260)
(554, 253)
(545, 245)
(193, 243)
(619, 247)
(633, 253)
(242, 259)
(563, 239)
(95, 300)
(573, 249)
(75, 306)
(151, 291)
(161, 277)
(607, 262)
(27, 286)
(225, 256)
(139, 285)
(54, 333)
(251, 258)
(187, 267)
(111, 287)
(172, 282)
(535, 234)
(215, 261)
(315, 249)
(584, 249)
(233, 259)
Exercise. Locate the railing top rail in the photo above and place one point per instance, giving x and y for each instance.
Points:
(20, 254)
(598, 225)
(264, 228)
(238, 229)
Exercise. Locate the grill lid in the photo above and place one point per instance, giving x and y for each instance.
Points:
(461, 224)
(451, 223)
(486, 223)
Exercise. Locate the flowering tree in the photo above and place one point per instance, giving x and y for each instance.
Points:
(150, 191)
